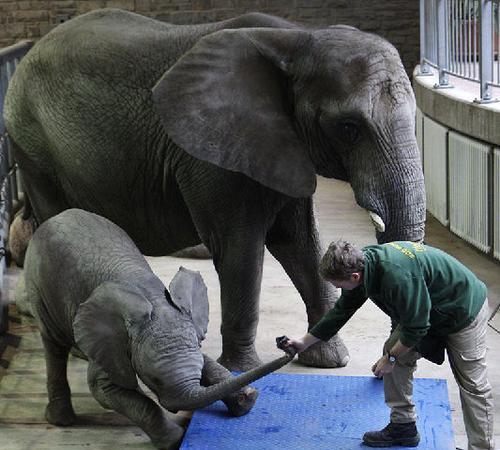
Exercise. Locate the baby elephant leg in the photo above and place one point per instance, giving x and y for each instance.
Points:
(144, 412)
(59, 410)
(238, 403)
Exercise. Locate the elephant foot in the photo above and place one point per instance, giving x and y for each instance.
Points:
(329, 354)
(241, 402)
(239, 359)
(60, 414)
(171, 440)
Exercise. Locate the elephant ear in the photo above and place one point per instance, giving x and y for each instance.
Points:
(226, 102)
(102, 328)
(189, 293)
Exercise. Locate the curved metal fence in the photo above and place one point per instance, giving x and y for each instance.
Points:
(461, 38)
(10, 185)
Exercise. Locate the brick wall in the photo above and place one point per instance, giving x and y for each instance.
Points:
(396, 20)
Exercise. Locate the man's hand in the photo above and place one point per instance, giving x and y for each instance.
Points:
(382, 367)
(297, 343)
(302, 343)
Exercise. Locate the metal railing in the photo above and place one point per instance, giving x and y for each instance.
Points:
(10, 185)
(461, 38)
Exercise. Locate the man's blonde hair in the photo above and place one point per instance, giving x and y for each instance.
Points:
(341, 260)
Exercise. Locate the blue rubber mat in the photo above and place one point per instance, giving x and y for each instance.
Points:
(301, 412)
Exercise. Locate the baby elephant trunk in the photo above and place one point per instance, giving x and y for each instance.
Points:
(199, 397)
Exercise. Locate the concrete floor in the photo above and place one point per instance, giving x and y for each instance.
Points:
(22, 383)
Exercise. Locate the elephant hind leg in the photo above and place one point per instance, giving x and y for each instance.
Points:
(238, 403)
(59, 410)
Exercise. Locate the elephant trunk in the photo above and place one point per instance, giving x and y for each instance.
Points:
(406, 210)
(393, 190)
(196, 396)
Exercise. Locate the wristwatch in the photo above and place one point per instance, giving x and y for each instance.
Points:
(391, 358)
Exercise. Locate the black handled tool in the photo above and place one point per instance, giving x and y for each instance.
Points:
(280, 342)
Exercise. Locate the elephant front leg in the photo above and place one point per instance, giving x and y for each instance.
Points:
(293, 241)
(238, 403)
(141, 410)
(240, 274)
(59, 410)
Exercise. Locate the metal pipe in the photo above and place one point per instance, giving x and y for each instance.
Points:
(496, 44)
(424, 67)
(486, 53)
(442, 45)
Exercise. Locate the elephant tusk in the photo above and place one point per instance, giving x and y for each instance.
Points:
(377, 221)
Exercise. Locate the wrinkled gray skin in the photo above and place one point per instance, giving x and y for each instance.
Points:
(91, 289)
(215, 133)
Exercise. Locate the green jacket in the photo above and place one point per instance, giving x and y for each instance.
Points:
(421, 288)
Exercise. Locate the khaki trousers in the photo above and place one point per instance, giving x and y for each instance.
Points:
(467, 356)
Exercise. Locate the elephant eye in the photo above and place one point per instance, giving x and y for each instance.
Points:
(155, 384)
(348, 132)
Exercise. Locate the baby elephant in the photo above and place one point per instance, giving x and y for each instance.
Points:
(90, 288)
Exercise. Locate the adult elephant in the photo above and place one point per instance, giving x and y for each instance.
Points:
(215, 133)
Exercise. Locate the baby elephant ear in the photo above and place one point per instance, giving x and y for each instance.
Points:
(189, 293)
(227, 101)
(101, 327)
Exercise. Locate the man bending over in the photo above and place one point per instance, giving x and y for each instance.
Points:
(435, 303)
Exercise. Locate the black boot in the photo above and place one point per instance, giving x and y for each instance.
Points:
(404, 434)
